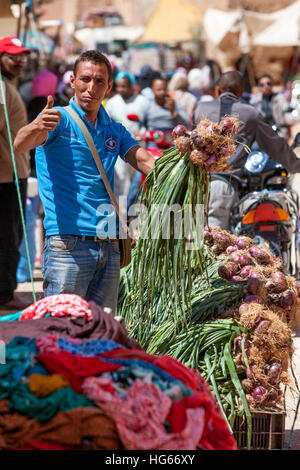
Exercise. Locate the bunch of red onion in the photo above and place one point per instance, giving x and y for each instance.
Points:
(209, 144)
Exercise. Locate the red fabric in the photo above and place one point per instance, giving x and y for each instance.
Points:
(75, 367)
(216, 434)
(44, 445)
(59, 305)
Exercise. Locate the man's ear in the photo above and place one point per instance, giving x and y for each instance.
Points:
(218, 91)
(110, 85)
(72, 80)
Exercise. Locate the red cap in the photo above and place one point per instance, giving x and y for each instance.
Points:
(12, 45)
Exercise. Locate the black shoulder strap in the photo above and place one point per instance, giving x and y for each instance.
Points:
(226, 104)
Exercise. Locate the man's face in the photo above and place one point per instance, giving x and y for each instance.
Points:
(91, 84)
(124, 88)
(160, 91)
(265, 84)
(12, 64)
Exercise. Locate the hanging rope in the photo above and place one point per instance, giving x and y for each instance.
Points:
(17, 185)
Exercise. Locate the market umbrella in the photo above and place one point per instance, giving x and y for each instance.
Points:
(172, 20)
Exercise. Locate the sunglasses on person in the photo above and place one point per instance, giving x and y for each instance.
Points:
(265, 84)
(16, 57)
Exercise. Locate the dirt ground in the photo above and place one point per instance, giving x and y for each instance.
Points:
(291, 397)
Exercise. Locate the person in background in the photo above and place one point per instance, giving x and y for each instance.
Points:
(124, 103)
(127, 102)
(195, 79)
(145, 80)
(223, 186)
(12, 60)
(82, 253)
(273, 106)
(178, 89)
(164, 113)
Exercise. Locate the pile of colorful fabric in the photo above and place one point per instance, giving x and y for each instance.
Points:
(64, 392)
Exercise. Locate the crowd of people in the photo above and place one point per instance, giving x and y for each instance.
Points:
(117, 108)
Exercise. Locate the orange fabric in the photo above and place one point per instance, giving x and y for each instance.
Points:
(66, 427)
(42, 385)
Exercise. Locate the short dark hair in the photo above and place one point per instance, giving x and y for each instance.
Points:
(96, 57)
(265, 75)
(232, 82)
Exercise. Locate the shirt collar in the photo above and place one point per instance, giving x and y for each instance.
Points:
(103, 118)
(228, 93)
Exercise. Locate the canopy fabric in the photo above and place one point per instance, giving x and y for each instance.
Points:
(172, 20)
(280, 28)
(283, 32)
(90, 36)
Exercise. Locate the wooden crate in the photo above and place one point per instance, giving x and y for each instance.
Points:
(268, 431)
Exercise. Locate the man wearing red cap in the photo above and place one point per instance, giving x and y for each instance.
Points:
(12, 56)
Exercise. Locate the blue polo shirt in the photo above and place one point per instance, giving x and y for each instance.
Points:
(71, 189)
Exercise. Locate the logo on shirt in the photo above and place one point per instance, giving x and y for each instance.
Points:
(110, 143)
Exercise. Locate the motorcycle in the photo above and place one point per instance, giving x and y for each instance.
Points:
(268, 209)
(155, 142)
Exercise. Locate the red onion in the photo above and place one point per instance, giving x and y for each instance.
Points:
(279, 281)
(238, 344)
(260, 255)
(243, 242)
(247, 385)
(211, 160)
(193, 134)
(197, 142)
(273, 298)
(250, 400)
(230, 249)
(252, 298)
(183, 144)
(208, 237)
(274, 370)
(179, 131)
(287, 298)
(253, 286)
(259, 392)
(249, 373)
(244, 260)
(235, 257)
(270, 286)
(196, 157)
(262, 327)
(273, 394)
(245, 271)
(222, 240)
(236, 278)
(227, 270)
(255, 275)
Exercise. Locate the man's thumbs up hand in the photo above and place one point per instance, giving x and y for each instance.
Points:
(49, 117)
(50, 102)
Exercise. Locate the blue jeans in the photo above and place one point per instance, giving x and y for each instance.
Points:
(83, 267)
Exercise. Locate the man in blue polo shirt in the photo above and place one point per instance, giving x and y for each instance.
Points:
(81, 253)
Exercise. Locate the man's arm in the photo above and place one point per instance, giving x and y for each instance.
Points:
(276, 147)
(140, 159)
(36, 133)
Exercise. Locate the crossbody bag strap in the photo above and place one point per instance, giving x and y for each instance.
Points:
(98, 162)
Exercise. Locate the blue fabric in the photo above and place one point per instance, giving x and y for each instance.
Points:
(11, 316)
(73, 194)
(145, 365)
(88, 348)
(91, 269)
